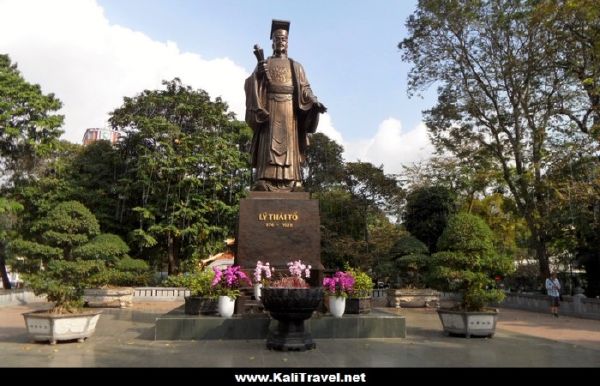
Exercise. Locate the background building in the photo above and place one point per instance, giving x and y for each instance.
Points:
(95, 134)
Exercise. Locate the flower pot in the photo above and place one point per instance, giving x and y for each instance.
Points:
(469, 323)
(226, 306)
(257, 290)
(291, 307)
(198, 305)
(337, 305)
(44, 326)
(358, 305)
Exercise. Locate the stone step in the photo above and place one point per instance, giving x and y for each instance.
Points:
(248, 305)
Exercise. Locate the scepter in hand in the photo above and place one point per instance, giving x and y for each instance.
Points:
(262, 64)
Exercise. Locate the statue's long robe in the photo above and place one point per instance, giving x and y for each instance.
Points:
(280, 113)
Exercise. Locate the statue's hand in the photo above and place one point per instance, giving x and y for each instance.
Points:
(262, 68)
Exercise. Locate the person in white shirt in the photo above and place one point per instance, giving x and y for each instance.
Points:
(553, 288)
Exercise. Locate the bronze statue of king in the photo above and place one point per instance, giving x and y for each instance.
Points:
(282, 110)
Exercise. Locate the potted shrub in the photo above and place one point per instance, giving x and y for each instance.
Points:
(63, 277)
(359, 300)
(62, 282)
(467, 264)
(411, 256)
(202, 299)
(69, 232)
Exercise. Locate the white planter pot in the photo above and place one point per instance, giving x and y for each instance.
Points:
(226, 306)
(257, 291)
(337, 305)
(469, 324)
(43, 326)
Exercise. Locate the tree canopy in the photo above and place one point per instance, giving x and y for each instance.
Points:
(426, 213)
(29, 129)
(183, 172)
(503, 91)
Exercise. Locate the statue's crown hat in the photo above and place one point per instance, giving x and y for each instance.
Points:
(279, 24)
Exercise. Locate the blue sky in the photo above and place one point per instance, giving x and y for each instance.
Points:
(91, 53)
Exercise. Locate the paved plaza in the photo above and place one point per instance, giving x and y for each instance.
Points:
(125, 338)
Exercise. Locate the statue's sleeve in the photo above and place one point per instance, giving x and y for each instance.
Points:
(308, 116)
(256, 113)
(306, 98)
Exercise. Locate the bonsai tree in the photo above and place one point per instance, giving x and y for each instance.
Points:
(63, 283)
(126, 272)
(106, 246)
(70, 232)
(467, 262)
(410, 258)
(67, 226)
(122, 270)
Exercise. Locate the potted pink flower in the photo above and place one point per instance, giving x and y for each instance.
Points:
(338, 287)
(290, 300)
(262, 274)
(227, 283)
(299, 272)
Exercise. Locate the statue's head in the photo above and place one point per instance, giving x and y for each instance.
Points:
(279, 36)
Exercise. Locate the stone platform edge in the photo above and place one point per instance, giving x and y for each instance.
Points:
(377, 324)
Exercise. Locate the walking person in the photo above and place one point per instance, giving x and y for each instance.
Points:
(553, 289)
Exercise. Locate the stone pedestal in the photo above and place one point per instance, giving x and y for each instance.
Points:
(411, 297)
(279, 228)
(108, 297)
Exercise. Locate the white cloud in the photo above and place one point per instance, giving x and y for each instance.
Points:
(72, 50)
(390, 146)
(326, 127)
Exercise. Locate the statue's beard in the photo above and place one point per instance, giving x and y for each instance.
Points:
(280, 51)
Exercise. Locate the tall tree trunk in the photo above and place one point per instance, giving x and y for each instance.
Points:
(172, 255)
(539, 244)
(541, 254)
(5, 280)
(542, 257)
